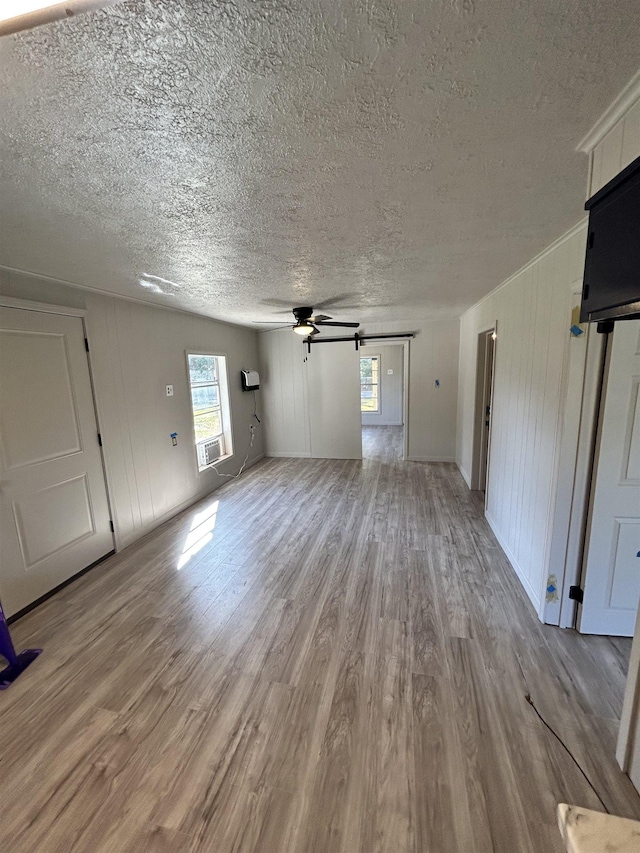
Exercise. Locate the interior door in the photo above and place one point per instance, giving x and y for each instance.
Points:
(612, 569)
(54, 514)
(333, 392)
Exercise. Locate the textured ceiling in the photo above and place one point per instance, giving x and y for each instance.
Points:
(393, 153)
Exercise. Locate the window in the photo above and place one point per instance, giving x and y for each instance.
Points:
(210, 406)
(369, 384)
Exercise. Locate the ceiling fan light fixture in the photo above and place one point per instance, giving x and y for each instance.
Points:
(304, 327)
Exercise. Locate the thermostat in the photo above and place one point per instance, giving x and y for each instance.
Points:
(250, 380)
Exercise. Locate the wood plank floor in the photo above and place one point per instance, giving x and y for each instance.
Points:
(326, 656)
(382, 442)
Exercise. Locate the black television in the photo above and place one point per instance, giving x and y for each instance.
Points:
(611, 286)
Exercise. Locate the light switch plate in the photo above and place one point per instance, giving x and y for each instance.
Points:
(169, 390)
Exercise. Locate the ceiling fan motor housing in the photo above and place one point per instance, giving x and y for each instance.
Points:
(302, 313)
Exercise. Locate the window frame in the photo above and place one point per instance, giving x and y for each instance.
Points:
(225, 407)
(377, 384)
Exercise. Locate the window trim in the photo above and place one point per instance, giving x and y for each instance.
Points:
(378, 384)
(226, 415)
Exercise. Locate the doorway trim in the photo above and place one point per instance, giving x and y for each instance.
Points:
(479, 404)
(42, 307)
(581, 390)
(404, 343)
(81, 313)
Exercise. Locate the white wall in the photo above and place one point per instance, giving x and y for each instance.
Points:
(284, 387)
(390, 386)
(136, 350)
(433, 354)
(532, 311)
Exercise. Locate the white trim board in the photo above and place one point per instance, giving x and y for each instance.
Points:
(431, 459)
(533, 595)
(464, 474)
(45, 307)
(549, 249)
(112, 295)
(612, 115)
(145, 530)
(286, 455)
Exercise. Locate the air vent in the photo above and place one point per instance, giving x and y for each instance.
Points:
(210, 451)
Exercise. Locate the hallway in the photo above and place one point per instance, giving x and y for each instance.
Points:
(323, 656)
(383, 443)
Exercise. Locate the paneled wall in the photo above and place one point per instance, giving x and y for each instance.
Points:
(136, 350)
(286, 418)
(432, 410)
(532, 311)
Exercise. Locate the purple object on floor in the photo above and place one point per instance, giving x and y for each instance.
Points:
(17, 662)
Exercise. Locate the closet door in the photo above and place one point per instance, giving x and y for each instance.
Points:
(54, 513)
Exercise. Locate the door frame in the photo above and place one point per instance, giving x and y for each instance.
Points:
(81, 314)
(479, 404)
(404, 343)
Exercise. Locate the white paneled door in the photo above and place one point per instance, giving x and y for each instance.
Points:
(54, 514)
(612, 577)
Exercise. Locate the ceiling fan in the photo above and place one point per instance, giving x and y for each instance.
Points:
(307, 323)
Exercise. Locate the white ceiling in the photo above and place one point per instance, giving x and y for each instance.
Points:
(392, 153)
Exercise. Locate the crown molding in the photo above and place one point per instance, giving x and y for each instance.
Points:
(576, 229)
(111, 295)
(626, 99)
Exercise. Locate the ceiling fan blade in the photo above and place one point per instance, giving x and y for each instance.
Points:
(275, 328)
(271, 323)
(318, 318)
(345, 325)
(334, 300)
(277, 303)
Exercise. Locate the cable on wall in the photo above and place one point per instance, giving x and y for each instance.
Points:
(252, 430)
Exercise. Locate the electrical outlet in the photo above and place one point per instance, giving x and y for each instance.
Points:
(389, 372)
(169, 390)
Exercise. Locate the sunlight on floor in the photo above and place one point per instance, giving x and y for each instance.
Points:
(201, 533)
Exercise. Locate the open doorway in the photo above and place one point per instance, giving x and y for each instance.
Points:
(484, 392)
(382, 401)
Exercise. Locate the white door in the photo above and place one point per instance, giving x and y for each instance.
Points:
(612, 576)
(54, 515)
(333, 392)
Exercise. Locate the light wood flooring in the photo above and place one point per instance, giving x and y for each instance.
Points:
(338, 666)
(382, 442)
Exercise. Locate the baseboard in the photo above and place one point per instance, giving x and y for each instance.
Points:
(285, 455)
(535, 599)
(465, 476)
(125, 541)
(23, 612)
(430, 459)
